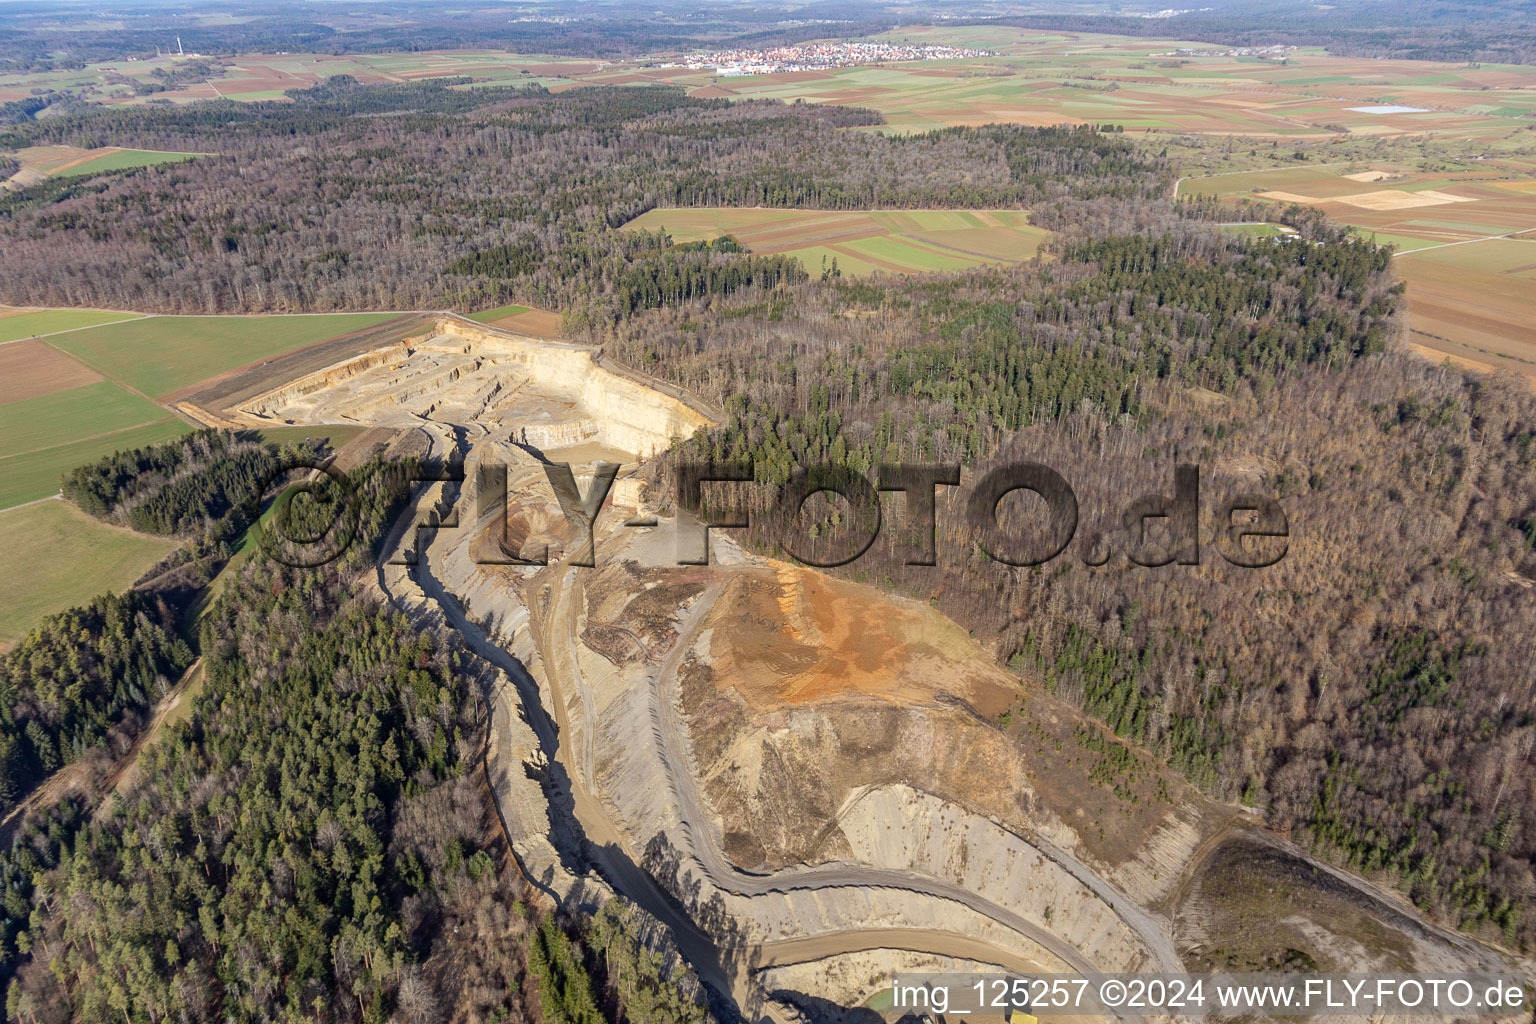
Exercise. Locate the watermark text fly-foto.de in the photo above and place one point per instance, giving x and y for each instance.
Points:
(1156, 529)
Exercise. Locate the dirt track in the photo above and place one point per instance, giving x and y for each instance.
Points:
(670, 734)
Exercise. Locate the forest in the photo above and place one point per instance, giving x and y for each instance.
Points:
(74, 678)
(417, 210)
(182, 485)
(85, 680)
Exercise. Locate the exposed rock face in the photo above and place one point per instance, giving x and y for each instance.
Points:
(541, 393)
(901, 827)
(636, 416)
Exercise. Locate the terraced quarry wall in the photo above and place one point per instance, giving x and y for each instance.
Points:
(634, 415)
(545, 394)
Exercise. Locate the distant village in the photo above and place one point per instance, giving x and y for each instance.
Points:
(818, 57)
(1170, 12)
(1267, 52)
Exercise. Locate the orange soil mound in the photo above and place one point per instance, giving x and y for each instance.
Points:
(793, 636)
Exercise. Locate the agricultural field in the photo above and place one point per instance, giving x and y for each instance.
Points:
(83, 558)
(1262, 229)
(111, 159)
(70, 398)
(30, 368)
(28, 476)
(39, 163)
(1144, 85)
(64, 405)
(44, 435)
(1466, 241)
(529, 320)
(899, 242)
(161, 354)
(490, 316)
(1033, 77)
(33, 423)
(27, 323)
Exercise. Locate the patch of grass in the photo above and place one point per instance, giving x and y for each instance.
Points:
(1404, 243)
(182, 709)
(35, 474)
(70, 559)
(695, 225)
(849, 266)
(158, 355)
(251, 539)
(17, 325)
(1251, 230)
(122, 160)
(1515, 257)
(989, 243)
(906, 254)
(486, 316)
(69, 415)
(895, 241)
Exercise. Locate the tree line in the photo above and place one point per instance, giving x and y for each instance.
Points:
(180, 486)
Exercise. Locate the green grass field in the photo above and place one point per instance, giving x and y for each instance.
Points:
(486, 316)
(1403, 243)
(158, 355)
(862, 242)
(17, 325)
(27, 476)
(1253, 230)
(45, 436)
(75, 413)
(1509, 257)
(123, 159)
(847, 263)
(71, 559)
(699, 224)
(909, 253)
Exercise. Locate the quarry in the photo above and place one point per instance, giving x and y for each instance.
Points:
(807, 783)
(543, 394)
